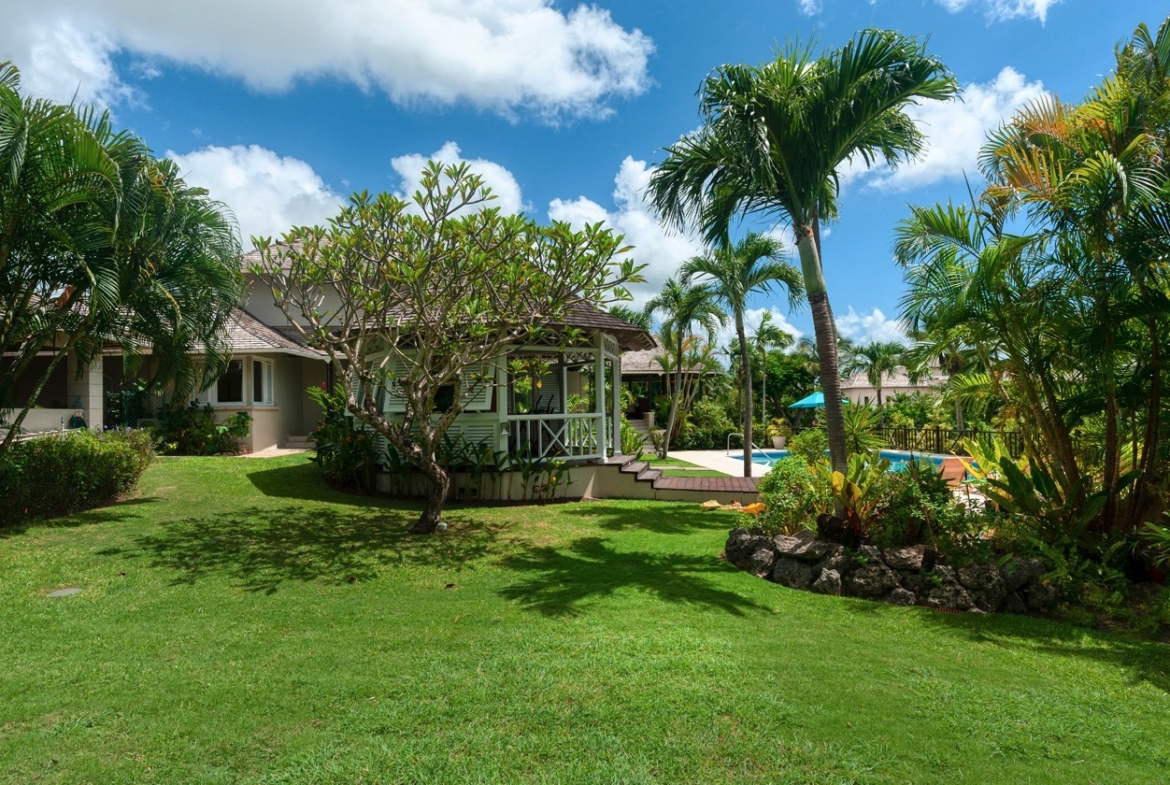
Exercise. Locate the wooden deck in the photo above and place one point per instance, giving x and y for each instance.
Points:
(715, 484)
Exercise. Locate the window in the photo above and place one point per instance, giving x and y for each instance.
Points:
(230, 387)
(262, 382)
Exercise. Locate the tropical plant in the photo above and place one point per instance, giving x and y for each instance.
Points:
(730, 274)
(633, 443)
(793, 496)
(681, 308)
(861, 424)
(767, 337)
(774, 140)
(876, 360)
(810, 445)
(858, 490)
(101, 244)
(406, 284)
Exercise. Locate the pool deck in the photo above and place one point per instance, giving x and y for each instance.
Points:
(718, 460)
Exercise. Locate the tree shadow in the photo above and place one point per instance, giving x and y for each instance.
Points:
(261, 548)
(1144, 661)
(302, 480)
(114, 512)
(560, 580)
(676, 520)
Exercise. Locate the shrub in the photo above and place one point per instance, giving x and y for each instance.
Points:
(633, 442)
(914, 503)
(706, 427)
(346, 453)
(61, 474)
(192, 430)
(794, 496)
(809, 445)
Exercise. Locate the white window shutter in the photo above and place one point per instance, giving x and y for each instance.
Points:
(269, 368)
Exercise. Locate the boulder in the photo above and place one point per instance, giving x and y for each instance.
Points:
(949, 597)
(869, 554)
(829, 582)
(986, 583)
(804, 545)
(913, 581)
(904, 558)
(1039, 597)
(874, 580)
(837, 559)
(832, 529)
(760, 562)
(1015, 603)
(944, 573)
(901, 596)
(742, 545)
(1018, 572)
(793, 573)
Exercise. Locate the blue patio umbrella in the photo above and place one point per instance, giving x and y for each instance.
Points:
(814, 401)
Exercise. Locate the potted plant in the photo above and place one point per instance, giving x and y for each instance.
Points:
(779, 430)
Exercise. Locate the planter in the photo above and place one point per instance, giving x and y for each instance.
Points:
(779, 442)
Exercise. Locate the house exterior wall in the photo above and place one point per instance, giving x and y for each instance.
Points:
(273, 423)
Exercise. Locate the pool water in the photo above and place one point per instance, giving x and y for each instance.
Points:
(898, 460)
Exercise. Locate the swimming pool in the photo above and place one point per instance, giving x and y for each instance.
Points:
(897, 458)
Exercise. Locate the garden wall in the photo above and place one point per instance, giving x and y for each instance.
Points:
(902, 576)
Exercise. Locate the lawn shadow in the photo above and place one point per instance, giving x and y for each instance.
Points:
(114, 512)
(1147, 661)
(300, 480)
(678, 519)
(560, 579)
(261, 548)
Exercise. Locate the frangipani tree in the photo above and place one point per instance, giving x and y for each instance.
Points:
(439, 285)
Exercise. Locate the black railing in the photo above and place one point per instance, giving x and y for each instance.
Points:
(947, 440)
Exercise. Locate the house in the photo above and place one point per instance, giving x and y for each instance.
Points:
(541, 414)
(858, 389)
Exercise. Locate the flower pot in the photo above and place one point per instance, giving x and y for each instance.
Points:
(779, 442)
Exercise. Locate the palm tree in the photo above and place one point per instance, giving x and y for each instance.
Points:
(768, 336)
(628, 314)
(774, 140)
(876, 360)
(681, 308)
(731, 274)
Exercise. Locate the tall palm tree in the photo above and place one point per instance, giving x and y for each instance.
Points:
(768, 336)
(876, 360)
(681, 308)
(773, 141)
(731, 274)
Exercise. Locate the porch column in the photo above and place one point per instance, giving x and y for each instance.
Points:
(599, 391)
(84, 390)
(616, 363)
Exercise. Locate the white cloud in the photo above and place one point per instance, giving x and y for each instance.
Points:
(809, 7)
(502, 182)
(867, 328)
(955, 132)
(661, 250)
(1002, 10)
(267, 193)
(503, 56)
(751, 321)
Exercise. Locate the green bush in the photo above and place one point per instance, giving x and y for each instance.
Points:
(914, 503)
(794, 496)
(706, 427)
(61, 474)
(346, 452)
(192, 430)
(809, 445)
(633, 442)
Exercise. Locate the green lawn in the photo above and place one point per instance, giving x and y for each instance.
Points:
(669, 462)
(241, 623)
(693, 473)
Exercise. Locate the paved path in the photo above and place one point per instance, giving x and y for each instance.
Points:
(719, 461)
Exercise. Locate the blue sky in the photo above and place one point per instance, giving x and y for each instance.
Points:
(283, 109)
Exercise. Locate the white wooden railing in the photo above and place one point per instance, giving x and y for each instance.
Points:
(556, 435)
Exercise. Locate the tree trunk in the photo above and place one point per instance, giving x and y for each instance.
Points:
(746, 359)
(440, 485)
(673, 401)
(764, 397)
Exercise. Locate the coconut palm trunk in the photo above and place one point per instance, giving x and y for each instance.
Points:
(746, 360)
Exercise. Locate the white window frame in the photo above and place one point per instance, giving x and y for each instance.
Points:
(267, 381)
(212, 392)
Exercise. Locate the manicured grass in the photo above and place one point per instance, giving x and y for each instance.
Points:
(674, 463)
(693, 473)
(242, 623)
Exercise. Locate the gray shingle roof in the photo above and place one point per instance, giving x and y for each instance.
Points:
(246, 333)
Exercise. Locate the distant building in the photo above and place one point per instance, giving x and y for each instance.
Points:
(858, 389)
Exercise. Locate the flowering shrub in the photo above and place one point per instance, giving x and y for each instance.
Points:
(192, 430)
(346, 453)
(66, 473)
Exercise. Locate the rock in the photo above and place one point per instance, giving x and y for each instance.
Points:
(870, 554)
(874, 580)
(742, 545)
(832, 529)
(803, 546)
(913, 581)
(904, 558)
(1015, 603)
(760, 562)
(977, 609)
(838, 559)
(944, 573)
(1040, 597)
(949, 597)
(829, 582)
(1017, 572)
(986, 583)
(792, 573)
(901, 596)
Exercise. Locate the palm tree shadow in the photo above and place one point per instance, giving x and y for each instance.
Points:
(261, 548)
(683, 519)
(559, 581)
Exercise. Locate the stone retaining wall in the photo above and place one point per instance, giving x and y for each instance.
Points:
(902, 576)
